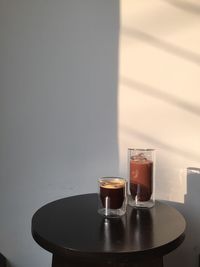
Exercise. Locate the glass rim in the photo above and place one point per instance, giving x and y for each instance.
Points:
(111, 177)
(141, 149)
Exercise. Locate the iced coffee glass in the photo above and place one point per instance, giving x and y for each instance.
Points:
(141, 169)
(112, 196)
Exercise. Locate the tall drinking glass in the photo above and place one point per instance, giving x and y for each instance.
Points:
(141, 168)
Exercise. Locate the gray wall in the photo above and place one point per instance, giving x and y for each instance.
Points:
(58, 110)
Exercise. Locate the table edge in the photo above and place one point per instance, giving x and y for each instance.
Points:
(83, 255)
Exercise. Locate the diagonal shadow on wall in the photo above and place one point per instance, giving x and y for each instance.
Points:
(157, 143)
(162, 45)
(156, 93)
(185, 6)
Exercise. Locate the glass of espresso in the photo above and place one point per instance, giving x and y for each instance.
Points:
(112, 196)
(141, 168)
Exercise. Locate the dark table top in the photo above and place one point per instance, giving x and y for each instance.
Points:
(72, 227)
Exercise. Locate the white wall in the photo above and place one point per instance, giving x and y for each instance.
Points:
(58, 110)
(159, 103)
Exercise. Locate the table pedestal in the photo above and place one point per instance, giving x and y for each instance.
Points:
(62, 262)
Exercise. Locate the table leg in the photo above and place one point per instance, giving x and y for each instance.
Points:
(62, 262)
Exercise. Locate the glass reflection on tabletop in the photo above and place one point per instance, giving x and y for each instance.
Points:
(140, 226)
(112, 233)
(134, 231)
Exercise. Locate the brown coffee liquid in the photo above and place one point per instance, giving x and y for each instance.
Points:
(112, 193)
(141, 172)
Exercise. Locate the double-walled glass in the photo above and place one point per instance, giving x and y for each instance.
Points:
(141, 169)
(112, 196)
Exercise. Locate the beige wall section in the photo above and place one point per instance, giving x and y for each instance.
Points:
(159, 99)
(159, 88)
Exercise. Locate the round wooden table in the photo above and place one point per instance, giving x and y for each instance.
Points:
(76, 235)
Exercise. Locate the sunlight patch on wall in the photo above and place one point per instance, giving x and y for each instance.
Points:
(159, 97)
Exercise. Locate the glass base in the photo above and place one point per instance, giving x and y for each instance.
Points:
(111, 213)
(140, 204)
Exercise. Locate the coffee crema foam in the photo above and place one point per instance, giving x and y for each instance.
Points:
(112, 184)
